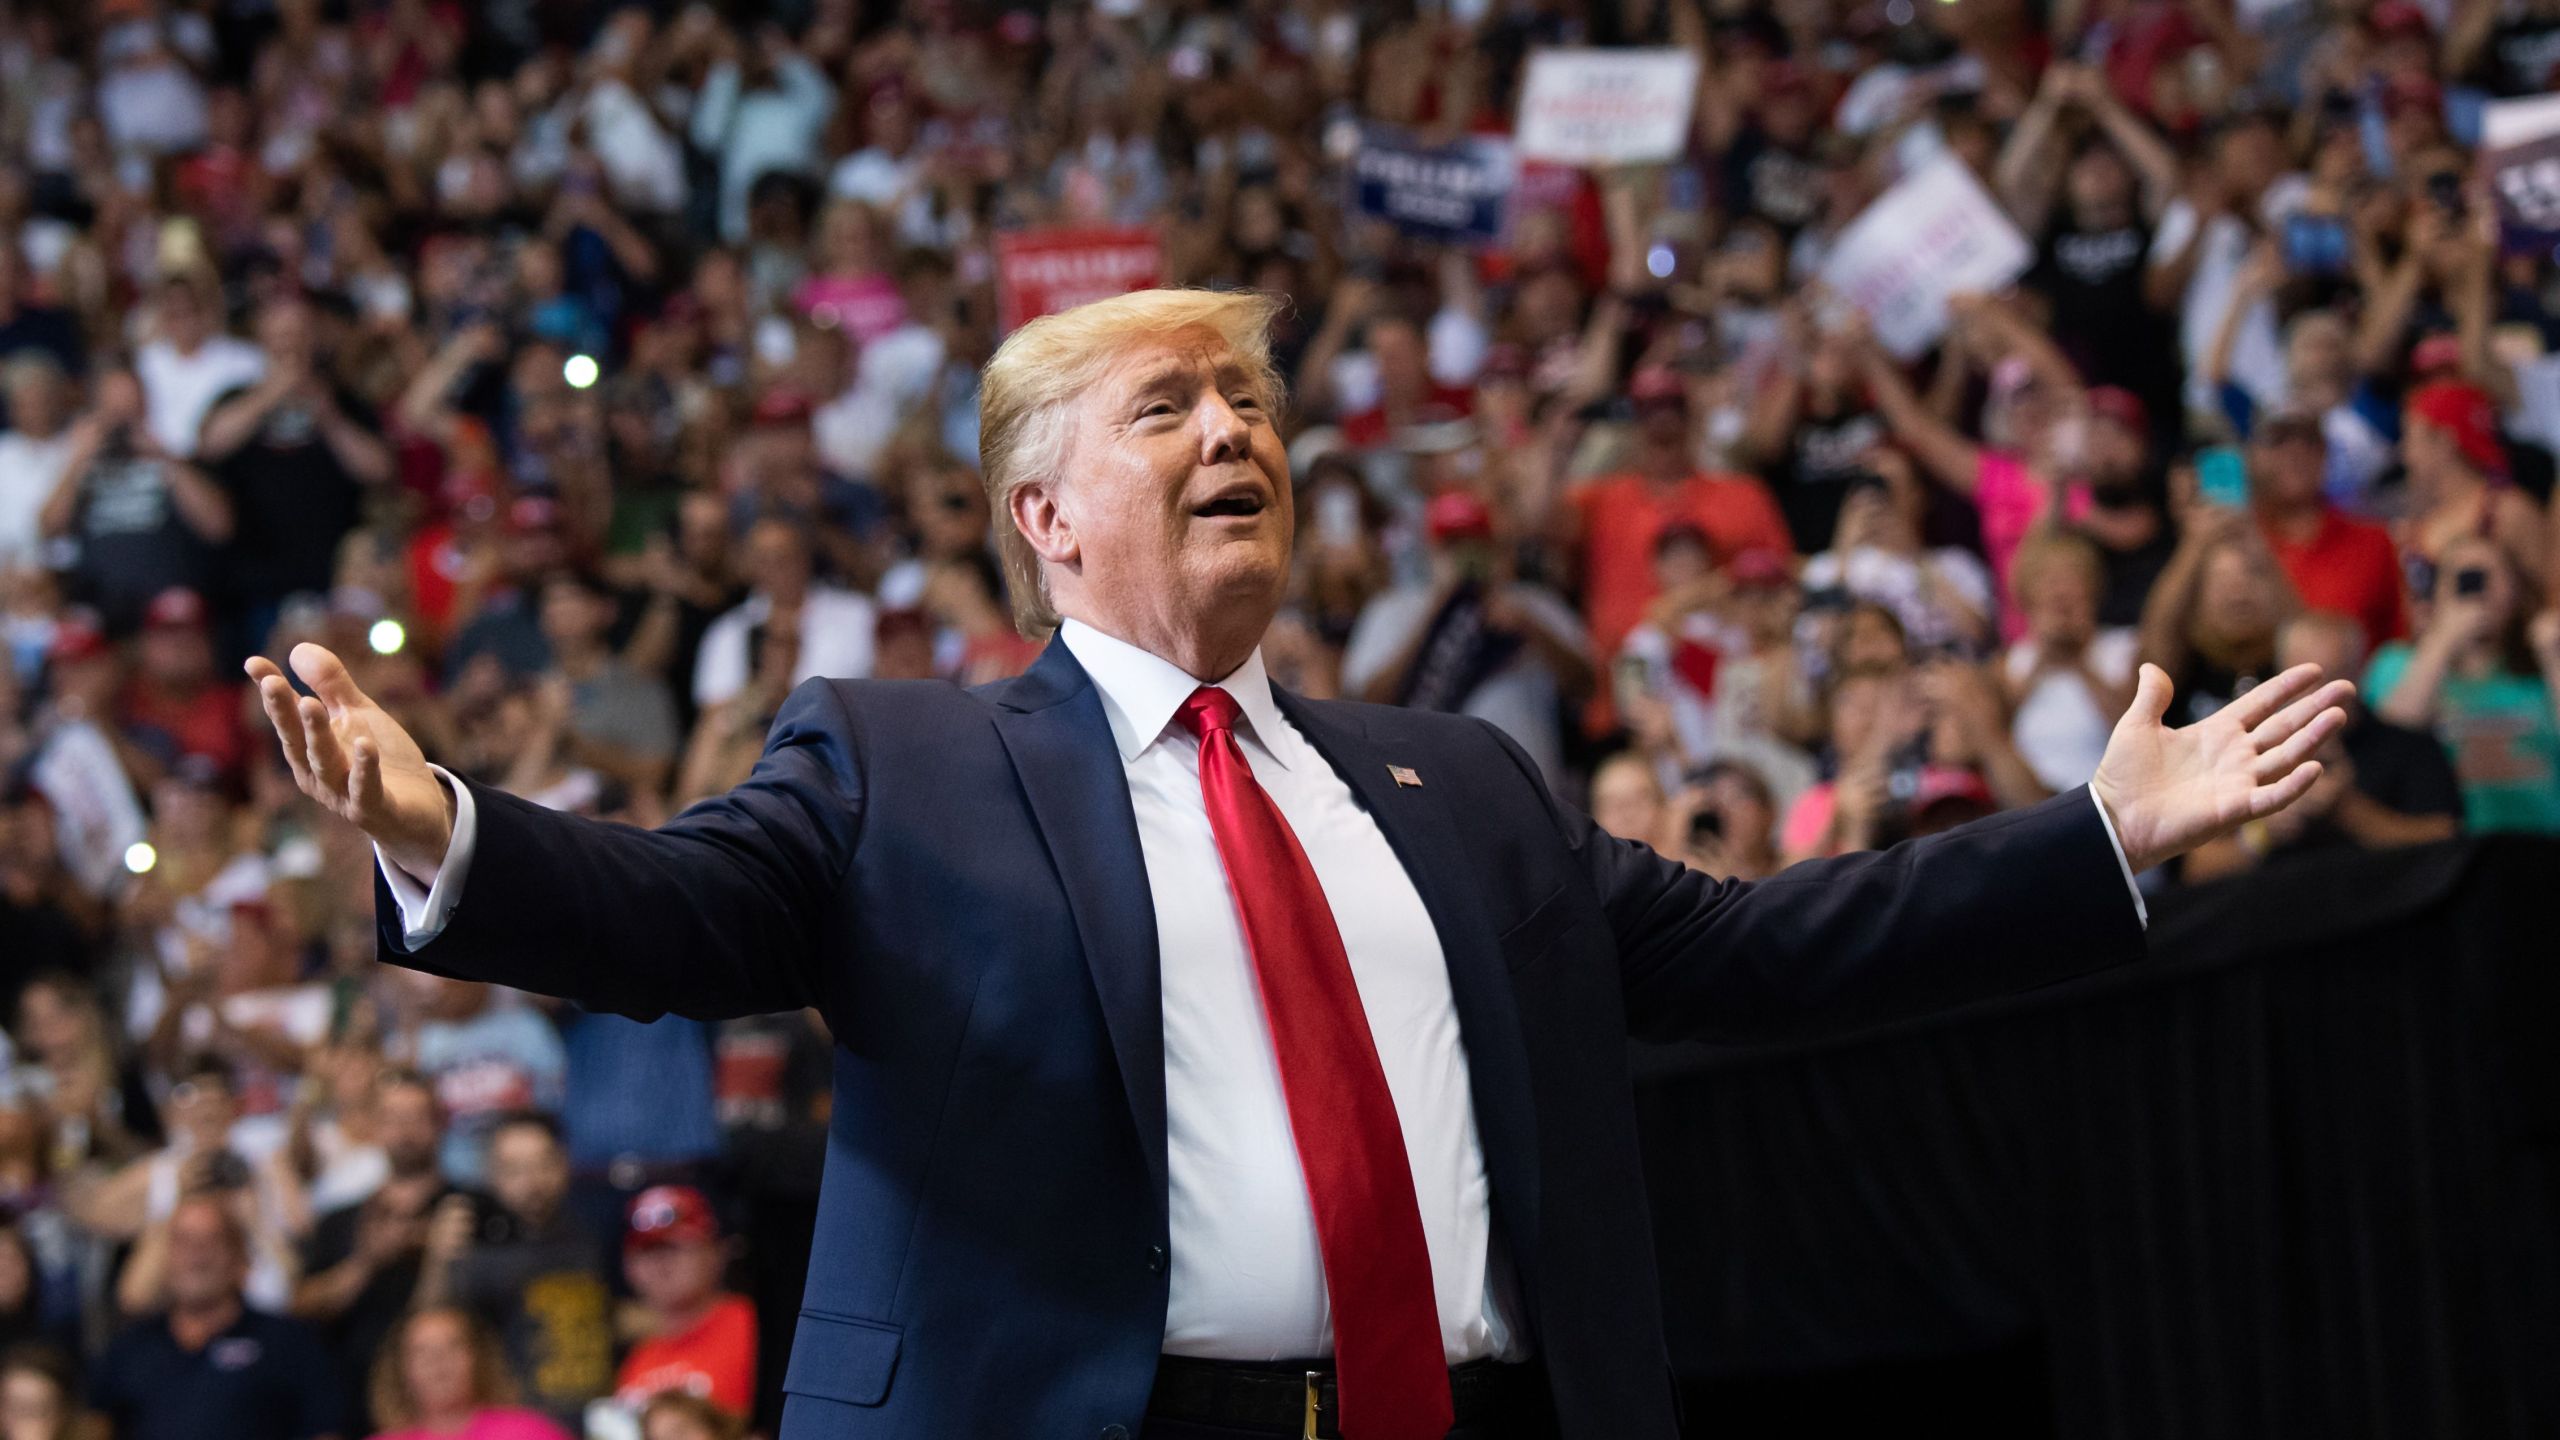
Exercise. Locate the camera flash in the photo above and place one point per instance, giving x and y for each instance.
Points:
(580, 371)
(386, 637)
(139, 857)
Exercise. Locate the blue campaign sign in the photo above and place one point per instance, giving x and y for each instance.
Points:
(1450, 193)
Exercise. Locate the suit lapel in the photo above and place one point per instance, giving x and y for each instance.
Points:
(1418, 825)
(1052, 725)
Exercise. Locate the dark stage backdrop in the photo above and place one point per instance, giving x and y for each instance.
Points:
(2292, 1176)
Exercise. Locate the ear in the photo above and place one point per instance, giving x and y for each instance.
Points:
(1036, 512)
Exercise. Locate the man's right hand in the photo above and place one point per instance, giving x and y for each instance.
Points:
(351, 756)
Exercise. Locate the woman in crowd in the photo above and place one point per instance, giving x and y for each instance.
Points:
(441, 1376)
(2066, 679)
(2212, 619)
(2488, 681)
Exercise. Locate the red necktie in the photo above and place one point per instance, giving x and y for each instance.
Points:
(1393, 1378)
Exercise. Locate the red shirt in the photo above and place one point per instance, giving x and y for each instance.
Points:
(205, 722)
(715, 1359)
(2348, 567)
(1622, 516)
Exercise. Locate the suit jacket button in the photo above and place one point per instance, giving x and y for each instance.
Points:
(1155, 1259)
(1115, 1432)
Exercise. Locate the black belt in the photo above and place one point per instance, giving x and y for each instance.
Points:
(1299, 1400)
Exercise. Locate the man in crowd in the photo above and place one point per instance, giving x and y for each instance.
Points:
(362, 1264)
(211, 1368)
(523, 1262)
(695, 1335)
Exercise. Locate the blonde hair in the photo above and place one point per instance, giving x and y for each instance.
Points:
(1027, 394)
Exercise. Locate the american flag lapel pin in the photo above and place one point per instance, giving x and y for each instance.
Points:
(1404, 776)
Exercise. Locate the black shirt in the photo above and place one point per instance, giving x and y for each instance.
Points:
(293, 500)
(263, 1378)
(2404, 769)
(133, 541)
(2093, 279)
(1825, 453)
(360, 1329)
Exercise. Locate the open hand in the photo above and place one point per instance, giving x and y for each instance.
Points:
(351, 756)
(2170, 790)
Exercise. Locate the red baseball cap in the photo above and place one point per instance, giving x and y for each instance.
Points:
(2465, 411)
(77, 636)
(669, 1215)
(782, 407)
(1656, 383)
(176, 608)
(1458, 515)
(1759, 570)
(2116, 403)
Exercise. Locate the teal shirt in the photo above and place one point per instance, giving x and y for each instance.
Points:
(2505, 748)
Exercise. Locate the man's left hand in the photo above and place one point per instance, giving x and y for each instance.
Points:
(2170, 790)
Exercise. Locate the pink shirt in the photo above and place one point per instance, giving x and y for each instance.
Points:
(2011, 498)
(867, 305)
(497, 1423)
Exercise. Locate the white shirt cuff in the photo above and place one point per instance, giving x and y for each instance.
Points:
(2141, 911)
(424, 909)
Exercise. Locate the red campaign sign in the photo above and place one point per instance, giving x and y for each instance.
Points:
(1040, 272)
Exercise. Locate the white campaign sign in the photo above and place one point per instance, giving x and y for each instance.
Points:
(1606, 107)
(96, 814)
(1934, 234)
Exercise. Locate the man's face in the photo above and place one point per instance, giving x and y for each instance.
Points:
(2288, 469)
(284, 332)
(205, 1263)
(527, 1172)
(38, 402)
(1175, 493)
(183, 317)
(777, 558)
(675, 1276)
(409, 1129)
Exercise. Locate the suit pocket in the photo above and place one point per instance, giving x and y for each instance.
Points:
(836, 1357)
(1537, 933)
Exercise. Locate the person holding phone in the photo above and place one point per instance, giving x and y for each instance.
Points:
(2487, 680)
(1473, 639)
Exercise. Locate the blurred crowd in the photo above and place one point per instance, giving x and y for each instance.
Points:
(591, 374)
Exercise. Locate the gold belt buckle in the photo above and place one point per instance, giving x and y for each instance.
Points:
(1313, 1378)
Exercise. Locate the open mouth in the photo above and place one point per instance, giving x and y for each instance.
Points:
(1240, 503)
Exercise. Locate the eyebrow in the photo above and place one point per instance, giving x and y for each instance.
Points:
(1165, 376)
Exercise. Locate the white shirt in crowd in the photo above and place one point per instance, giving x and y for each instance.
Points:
(1247, 1274)
(2257, 352)
(29, 469)
(178, 389)
(837, 628)
(2060, 729)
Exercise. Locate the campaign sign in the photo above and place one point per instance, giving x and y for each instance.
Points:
(1933, 235)
(1040, 272)
(2520, 152)
(1452, 194)
(1606, 107)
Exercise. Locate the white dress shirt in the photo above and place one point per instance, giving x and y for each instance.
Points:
(1247, 1274)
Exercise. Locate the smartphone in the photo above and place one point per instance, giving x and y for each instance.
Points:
(2222, 477)
(2471, 580)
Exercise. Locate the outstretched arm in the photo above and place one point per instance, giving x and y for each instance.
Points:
(2022, 899)
(720, 912)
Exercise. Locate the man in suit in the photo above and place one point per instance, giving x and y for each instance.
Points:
(1213, 1062)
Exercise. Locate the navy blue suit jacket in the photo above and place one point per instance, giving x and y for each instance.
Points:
(953, 879)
